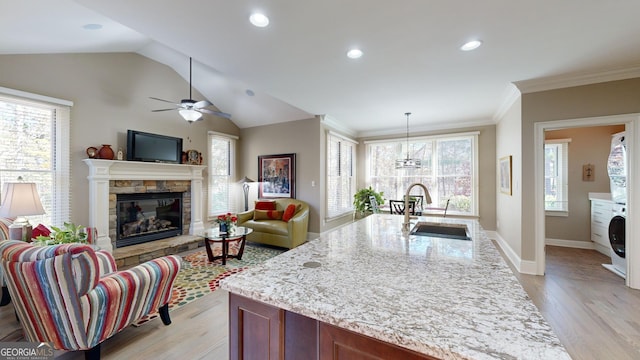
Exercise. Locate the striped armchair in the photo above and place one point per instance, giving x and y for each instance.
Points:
(73, 297)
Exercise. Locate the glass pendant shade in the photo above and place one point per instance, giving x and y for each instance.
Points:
(190, 115)
(408, 163)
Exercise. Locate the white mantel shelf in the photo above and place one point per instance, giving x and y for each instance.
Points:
(102, 171)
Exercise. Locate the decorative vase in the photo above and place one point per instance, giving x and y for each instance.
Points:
(105, 152)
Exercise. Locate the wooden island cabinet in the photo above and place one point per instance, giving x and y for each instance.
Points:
(259, 331)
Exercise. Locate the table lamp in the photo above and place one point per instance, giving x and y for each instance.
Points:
(20, 200)
(245, 187)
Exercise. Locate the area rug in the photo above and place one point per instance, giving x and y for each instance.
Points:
(199, 277)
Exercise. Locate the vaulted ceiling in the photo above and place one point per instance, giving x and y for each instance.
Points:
(297, 66)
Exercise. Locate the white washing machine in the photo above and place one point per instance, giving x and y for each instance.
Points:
(617, 240)
(617, 171)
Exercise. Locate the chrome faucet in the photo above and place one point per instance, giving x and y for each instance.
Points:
(427, 199)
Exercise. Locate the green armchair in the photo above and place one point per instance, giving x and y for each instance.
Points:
(287, 234)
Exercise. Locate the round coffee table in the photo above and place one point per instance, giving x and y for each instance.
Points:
(214, 236)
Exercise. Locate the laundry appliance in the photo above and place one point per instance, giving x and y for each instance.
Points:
(617, 170)
(617, 227)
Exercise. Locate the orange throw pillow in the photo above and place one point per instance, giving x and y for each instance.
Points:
(289, 212)
(267, 215)
(265, 205)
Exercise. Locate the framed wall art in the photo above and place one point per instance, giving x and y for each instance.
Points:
(277, 176)
(505, 175)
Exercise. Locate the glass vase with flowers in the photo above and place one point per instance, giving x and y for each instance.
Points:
(227, 222)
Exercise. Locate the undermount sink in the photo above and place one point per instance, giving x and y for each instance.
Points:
(449, 231)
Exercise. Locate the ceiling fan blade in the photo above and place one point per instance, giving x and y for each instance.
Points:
(164, 109)
(217, 113)
(202, 103)
(172, 102)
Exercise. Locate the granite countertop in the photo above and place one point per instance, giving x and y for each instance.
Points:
(451, 299)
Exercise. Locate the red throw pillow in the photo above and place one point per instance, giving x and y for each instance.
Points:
(267, 215)
(265, 205)
(40, 230)
(289, 212)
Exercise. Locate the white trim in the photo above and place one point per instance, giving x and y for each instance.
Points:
(576, 79)
(511, 95)
(556, 213)
(338, 135)
(429, 137)
(436, 126)
(329, 121)
(31, 96)
(521, 266)
(632, 126)
(235, 137)
(557, 141)
(576, 244)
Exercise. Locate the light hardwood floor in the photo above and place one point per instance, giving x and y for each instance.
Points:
(592, 312)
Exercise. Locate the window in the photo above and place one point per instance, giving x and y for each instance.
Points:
(556, 187)
(35, 147)
(448, 170)
(340, 175)
(222, 150)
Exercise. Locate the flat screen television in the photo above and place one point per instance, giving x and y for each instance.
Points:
(142, 146)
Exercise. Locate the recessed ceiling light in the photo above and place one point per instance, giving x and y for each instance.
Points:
(249, 92)
(354, 53)
(471, 45)
(259, 20)
(92, 26)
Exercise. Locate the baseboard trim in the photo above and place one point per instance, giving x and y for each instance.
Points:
(570, 243)
(521, 266)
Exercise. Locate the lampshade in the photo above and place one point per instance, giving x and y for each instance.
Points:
(190, 115)
(245, 180)
(20, 199)
(408, 163)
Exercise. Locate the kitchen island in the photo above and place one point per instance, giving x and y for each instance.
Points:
(437, 297)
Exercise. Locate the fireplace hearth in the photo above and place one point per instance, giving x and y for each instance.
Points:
(147, 217)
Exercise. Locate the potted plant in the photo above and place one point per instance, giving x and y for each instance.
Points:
(70, 233)
(362, 202)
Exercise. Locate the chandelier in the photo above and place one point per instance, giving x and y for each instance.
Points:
(408, 163)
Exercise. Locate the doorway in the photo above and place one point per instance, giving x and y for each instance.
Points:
(632, 127)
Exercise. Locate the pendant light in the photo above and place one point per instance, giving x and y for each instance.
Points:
(408, 163)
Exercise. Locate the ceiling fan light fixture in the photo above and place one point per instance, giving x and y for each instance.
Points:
(190, 115)
(408, 163)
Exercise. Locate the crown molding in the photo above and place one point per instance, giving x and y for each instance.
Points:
(510, 96)
(577, 79)
(332, 123)
(429, 128)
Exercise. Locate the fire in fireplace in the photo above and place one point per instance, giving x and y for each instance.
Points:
(145, 217)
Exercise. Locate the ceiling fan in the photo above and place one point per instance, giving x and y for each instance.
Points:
(190, 109)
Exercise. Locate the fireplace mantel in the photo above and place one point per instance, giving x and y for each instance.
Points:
(102, 171)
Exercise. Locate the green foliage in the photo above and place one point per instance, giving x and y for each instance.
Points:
(70, 233)
(361, 200)
(460, 203)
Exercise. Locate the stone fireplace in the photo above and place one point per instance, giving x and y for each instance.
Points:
(108, 178)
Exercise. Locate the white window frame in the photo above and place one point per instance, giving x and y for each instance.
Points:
(231, 205)
(562, 177)
(338, 197)
(401, 143)
(60, 207)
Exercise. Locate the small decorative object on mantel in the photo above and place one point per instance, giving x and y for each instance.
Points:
(92, 152)
(192, 157)
(120, 155)
(106, 152)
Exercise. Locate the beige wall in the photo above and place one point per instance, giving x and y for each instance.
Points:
(610, 98)
(589, 145)
(508, 207)
(300, 137)
(110, 94)
(486, 168)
